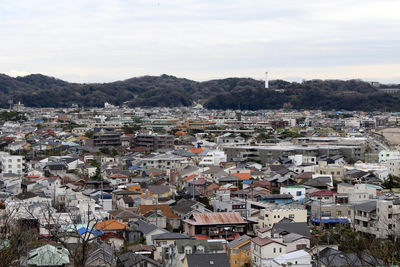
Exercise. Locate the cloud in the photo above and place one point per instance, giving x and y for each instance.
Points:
(16, 73)
(108, 40)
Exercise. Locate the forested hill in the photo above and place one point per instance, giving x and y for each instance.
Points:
(168, 91)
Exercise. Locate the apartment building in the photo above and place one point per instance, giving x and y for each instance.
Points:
(378, 217)
(268, 154)
(154, 142)
(275, 213)
(11, 163)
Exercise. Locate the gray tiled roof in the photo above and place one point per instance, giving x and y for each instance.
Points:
(208, 260)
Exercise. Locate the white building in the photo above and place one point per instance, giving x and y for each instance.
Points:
(297, 192)
(264, 250)
(393, 166)
(11, 164)
(385, 155)
(302, 159)
(213, 158)
(299, 258)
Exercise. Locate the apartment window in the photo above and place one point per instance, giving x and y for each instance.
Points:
(236, 262)
(18, 160)
(338, 212)
(298, 193)
(280, 250)
(274, 250)
(389, 216)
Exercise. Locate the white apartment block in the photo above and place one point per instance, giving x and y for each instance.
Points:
(386, 155)
(393, 166)
(378, 217)
(213, 158)
(11, 164)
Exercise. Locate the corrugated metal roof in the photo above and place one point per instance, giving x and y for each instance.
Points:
(217, 218)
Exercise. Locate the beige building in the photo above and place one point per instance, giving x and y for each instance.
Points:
(275, 213)
(336, 171)
(263, 250)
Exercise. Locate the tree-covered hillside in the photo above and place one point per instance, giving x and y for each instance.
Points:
(168, 91)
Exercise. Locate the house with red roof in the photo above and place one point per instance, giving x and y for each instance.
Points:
(325, 196)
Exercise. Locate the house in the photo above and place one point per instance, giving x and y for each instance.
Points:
(114, 231)
(130, 259)
(184, 208)
(325, 196)
(298, 192)
(239, 251)
(228, 225)
(48, 255)
(298, 258)
(330, 257)
(284, 228)
(164, 243)
(206, 260)
(102, 255)
(274, 214)
(275, 198)
(264, 250)
(189, 246)
(148, 230)
(155, 212)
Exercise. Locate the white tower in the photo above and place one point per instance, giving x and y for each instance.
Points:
(266, 80)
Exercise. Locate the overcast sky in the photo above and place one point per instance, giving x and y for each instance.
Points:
(102, 41)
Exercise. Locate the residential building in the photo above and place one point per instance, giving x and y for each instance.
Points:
(227, 225)
(275, 213)
(239, 251)
(213, 158)
(11, 163)
(263, 250)
(298, 192)
(154, 142)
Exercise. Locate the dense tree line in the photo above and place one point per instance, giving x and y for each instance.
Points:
(168, 91)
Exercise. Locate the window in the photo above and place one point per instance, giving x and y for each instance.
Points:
(274, 250)
(291, 216)
(236, 262)
(298, 193)
(389, 216)
(280, 250)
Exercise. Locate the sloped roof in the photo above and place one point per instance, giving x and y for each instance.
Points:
(205, 260)
(238, 241)
(165, 210)
(110, 225)
(48, 255)
(300, 228)
(208, 246)
(216, 218)
(323, 193)
(264, 241)
(243, 176)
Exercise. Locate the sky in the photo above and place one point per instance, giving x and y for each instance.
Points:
(103, 41)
